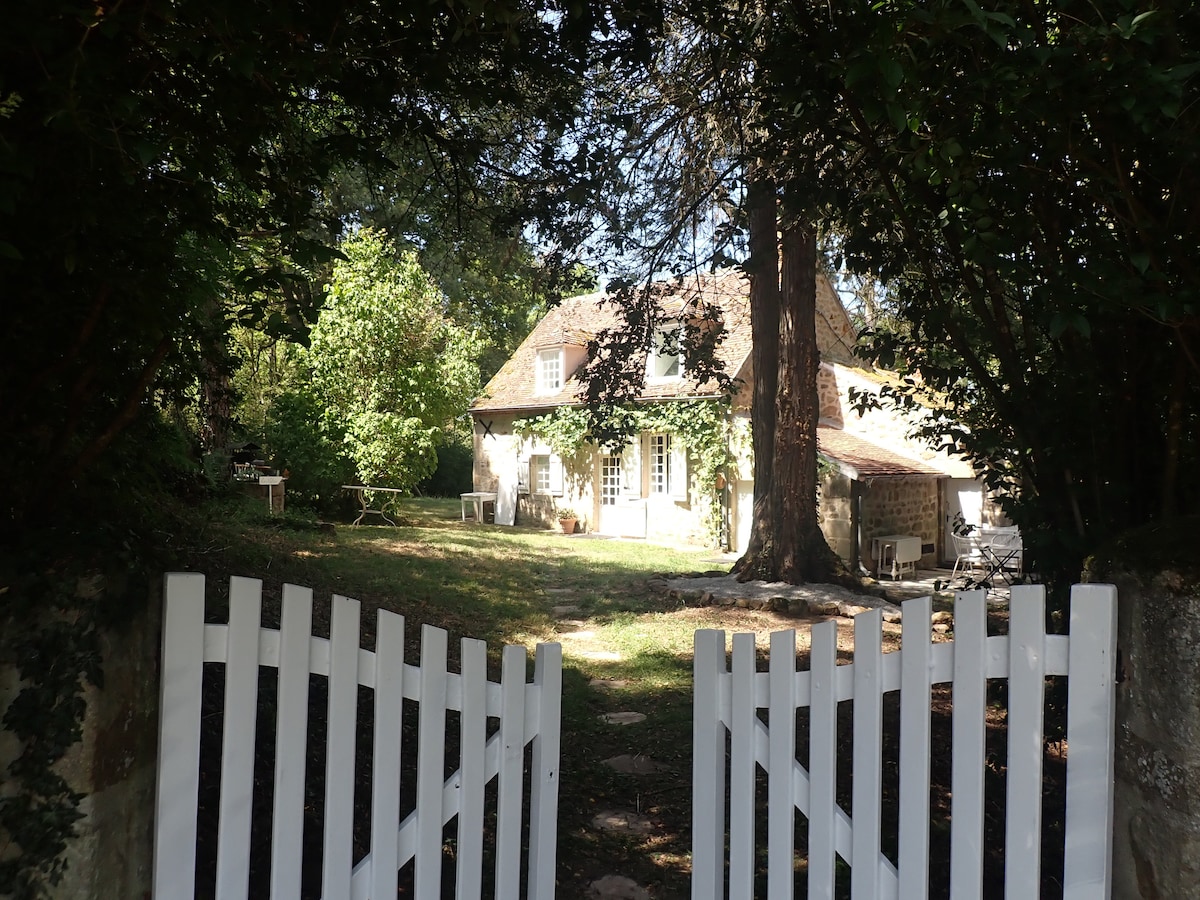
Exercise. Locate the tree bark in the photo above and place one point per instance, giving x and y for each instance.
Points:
(763, 268)
(786, 542)
(801, 552)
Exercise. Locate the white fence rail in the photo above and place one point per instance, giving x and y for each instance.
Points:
(728, 700)
(527, 714)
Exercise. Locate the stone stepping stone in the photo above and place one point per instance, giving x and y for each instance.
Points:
(617, 887)
(565, 611)
(623, 718)
(609, 684)
(579, 635)
(570, 626)
(600, 655)
(634, 764)
(622, 821)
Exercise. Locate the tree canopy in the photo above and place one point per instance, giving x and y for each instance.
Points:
(1021, 179)
(388, 371)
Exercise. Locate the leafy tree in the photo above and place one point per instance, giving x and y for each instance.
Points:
(163, 174)
(683, 170)
(1021, 176)
(390, 372)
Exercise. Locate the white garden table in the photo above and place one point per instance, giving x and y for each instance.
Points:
(389, 502)
(478, 499)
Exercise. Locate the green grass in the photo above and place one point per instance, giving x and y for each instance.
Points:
(501, 584)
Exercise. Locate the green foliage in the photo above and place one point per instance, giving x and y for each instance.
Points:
(1018, 176)
(388, 370)
(1041, 295)
(455, 466)
(164, 174)
(702, 426)
(564, 429)
(302, 443)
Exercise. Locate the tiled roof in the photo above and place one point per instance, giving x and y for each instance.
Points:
(863, 459)
(577, 320)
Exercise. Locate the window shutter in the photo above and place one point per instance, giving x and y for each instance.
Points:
(631, 468)
(556, 475)
(679, 470)
(523, 476)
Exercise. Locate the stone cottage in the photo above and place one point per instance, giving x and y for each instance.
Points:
(878, 481)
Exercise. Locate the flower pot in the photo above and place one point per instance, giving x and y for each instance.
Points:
(568, 525)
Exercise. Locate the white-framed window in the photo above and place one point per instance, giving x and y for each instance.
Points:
(666, 460)
(549, 370)
(540, 473)
(665, 359)
(660, 463)
(611, 480)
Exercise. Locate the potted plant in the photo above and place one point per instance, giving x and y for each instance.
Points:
(567, 518)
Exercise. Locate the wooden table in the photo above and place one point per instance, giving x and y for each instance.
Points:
(478, 499)
(360, 491)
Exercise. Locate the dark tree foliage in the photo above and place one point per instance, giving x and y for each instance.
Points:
(166, 169)
(1024, 178)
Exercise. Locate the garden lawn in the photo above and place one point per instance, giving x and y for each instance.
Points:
(627, 647)
(503, 585)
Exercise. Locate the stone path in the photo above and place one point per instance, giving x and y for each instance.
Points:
(575, 634)
(714, 589)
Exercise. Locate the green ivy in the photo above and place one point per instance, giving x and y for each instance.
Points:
(702, 425)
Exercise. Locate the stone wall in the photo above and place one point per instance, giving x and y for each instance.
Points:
(113, 765)
(1156, 824)
(498, 449)
(829, 397)
(835, 513)
(901, 506)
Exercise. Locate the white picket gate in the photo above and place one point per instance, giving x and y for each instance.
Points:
(728, 701)
(527, 713)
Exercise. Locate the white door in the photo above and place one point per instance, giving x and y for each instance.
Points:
(506, 497)
(962, 495)
(620, 516)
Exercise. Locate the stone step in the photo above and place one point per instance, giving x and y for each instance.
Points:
(617, 887)
(623, 718)
(609, 684)
(622, 821)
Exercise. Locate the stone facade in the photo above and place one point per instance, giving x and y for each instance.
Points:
(902, 506)
(1156, 810)
(113, 765)
(835, 513)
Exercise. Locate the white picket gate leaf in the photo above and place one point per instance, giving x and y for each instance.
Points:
(727, 702)
(528, 714)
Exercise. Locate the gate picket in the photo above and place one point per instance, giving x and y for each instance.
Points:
(730, 700)
(528, 714)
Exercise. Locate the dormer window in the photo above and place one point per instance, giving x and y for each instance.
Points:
(549, 370)
(665, 359)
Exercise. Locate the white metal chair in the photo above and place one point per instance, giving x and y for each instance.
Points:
(969, 554)
(1006, 551)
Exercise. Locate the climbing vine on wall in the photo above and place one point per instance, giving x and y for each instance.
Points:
(702, 426)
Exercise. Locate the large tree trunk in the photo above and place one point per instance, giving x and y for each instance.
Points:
(763, 268)
(801, 552)
(786, 543)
